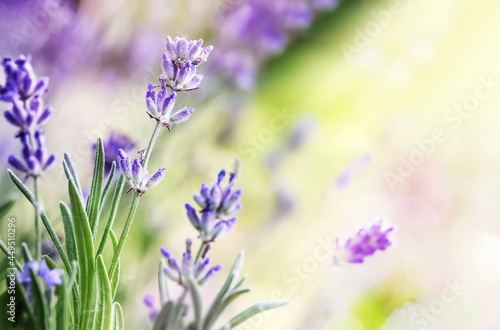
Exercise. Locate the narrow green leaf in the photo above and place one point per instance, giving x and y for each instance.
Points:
(72, 173)
(254, 310)
(163, 316)
(63, 306)
(5, 250)
(197, 303)
(84, 253)
(68, 231)
(115, 277)
(108, 184)
(112, 212)
(50, 262)
(93, 208)
(240, 283)
(25, 251)
(46, 222)
(226, 301)
(163, 283)
(39, 301)
(6, 205)
(117, 320)
(103, 311)
(231, 278)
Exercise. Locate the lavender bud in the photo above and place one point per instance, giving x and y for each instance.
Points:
(182, 48)
(210, 274)
(169, 68)
(171, 49)
(194, 83)
(201, 267)
(181, 115)
(17, 164)
(168, 104)
(207, 221)
(193, 217)
(186, 73)
(222, 228)
(199, 200)
(137, 171)
(156, 178)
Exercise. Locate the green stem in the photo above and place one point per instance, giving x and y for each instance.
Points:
(126, 229)
(200, 251)
(151, 144)
(38, 230)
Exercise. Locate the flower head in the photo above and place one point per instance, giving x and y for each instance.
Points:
(200, 270)
(364, 243)
(216, 203)
(160, 106)
(52, 277)
(21, 83)
(137, 176)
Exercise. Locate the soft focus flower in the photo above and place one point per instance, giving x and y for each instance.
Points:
(364, 243)
(24, 91)
(200, 271)
(114, 142)
(137, 176)
(149, 301)
(215, 202)
(52, 277)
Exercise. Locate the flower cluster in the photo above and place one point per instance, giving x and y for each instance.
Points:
(198, 269)
(256, 29)
(215, 202)
(364, 243)
(51, 277)
(160, 107)
(137, 176)
(114, 142)
(24, 91)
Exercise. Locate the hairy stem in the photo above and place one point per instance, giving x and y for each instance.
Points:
(38, 230)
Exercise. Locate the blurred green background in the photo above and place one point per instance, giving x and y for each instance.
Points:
(416, 88)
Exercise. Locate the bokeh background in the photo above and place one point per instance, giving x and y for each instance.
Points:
(384, 109)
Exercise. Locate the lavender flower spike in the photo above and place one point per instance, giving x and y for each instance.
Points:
(137, 176)
(364, 243)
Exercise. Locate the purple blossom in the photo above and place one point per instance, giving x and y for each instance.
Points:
(52, 277)
(216, 203)
(200, 271)
(137, 176)
(21, 81)
(114, 142)
(149, 301)
(364, 243)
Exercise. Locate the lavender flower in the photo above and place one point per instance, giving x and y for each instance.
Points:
(215, 202)
(114, 142)
(52, 277)
(137, 176)
(364, 243)
(149, 301)
(180, 61)
(200, 270)
(24, 91)
(160, 107)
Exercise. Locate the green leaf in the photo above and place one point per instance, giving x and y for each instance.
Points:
(197, 303)
(41, 306)
(50, 263)
(103, 311)
(72, 172)
(163, 317)
(84, 253)
(117, 319)
(227, 300)
(163, 283)
(112, 212)
(25, 251)
(108, 184)
(6, 205)
(63, 306)
(5, 250)
(68, 231)
(93, 208)
(254, 310)
(46, 222)
(227, 287)
(115, 277)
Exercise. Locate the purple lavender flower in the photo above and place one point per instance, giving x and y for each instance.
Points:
(180, 62)
(200, 271)
(114, 142)
(215, 202)
(149, 301)
(24, 91)
(52, 277)
(364, 243)
(137, 176)
(160, 106)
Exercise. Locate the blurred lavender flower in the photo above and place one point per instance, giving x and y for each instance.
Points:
(114, 142)
(180, 61)
(24, 91)
(364, 243)
(149, 301)
(200, 270)
(160, 107)
(215, 203)
(52, 277)
(137, 176)
(345, 177)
